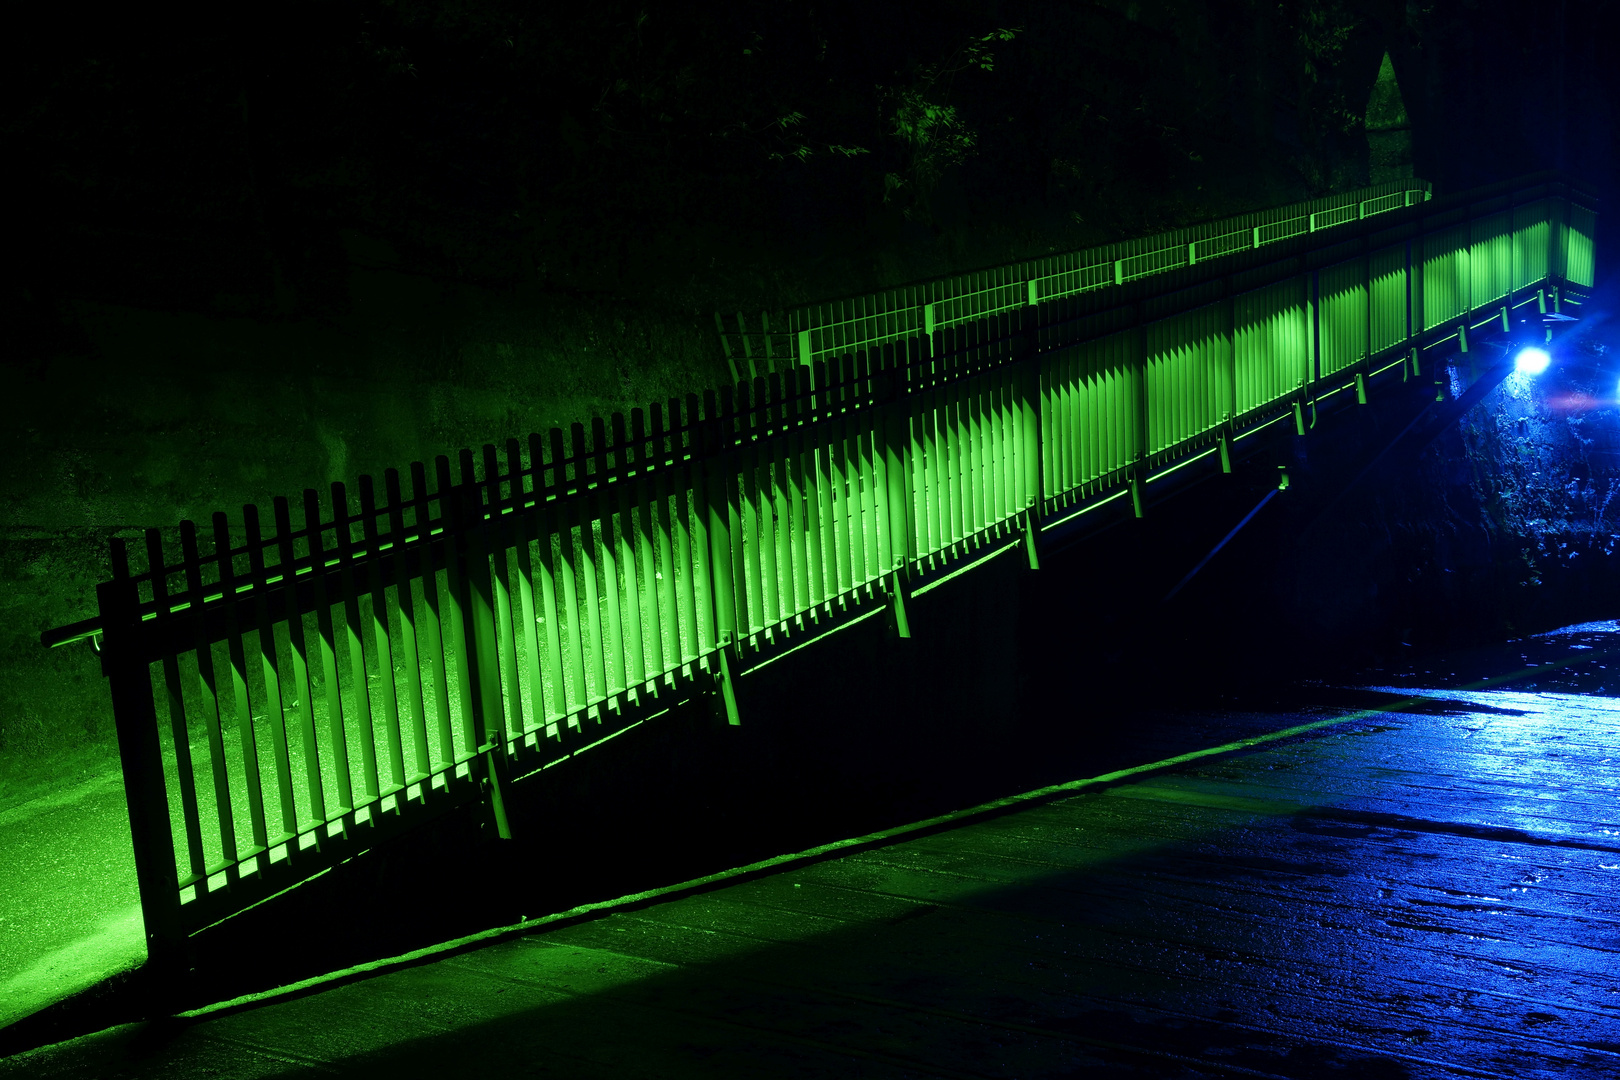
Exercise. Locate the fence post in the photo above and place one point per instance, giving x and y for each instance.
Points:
(141, 755)
(717, 487)
(1027, 379)
(894, 364)
(478, 630)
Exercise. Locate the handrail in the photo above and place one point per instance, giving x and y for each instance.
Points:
(852, 324)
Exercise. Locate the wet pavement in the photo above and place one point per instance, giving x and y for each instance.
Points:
(1417, 879)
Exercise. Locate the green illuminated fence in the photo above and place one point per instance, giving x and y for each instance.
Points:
(863, 322)
(289, 691)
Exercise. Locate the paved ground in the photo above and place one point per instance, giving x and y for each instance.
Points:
(1420, 894)
(70, 914)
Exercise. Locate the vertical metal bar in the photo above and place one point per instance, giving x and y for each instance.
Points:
(694, 515)
(298, 655)
(476, 600)
(178, 729)
(648, 500)
(862, 424)
(337, 736)
(718, 487)
(664, 534)
(595, 648)
(787, 604)
(270, 671)
(431, 641)
(453, 614)
(569, 498)
(612, 639)
(838, 540)
(936, 498)
(402, 550)
(208, 687)
(523, 522)
(382, 639)
(140, 752)
(353, 640)
(748, 521)
(510, 701)
(818, 494)
(542, 527)
(240, 698)
(474, 594)
(632, 486)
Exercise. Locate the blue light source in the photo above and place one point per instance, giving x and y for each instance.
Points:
(1531, 361)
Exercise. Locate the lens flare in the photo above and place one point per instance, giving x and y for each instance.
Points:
(1531, 361)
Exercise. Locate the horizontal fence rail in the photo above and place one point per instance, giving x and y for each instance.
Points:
(290, 689)
(864, 322)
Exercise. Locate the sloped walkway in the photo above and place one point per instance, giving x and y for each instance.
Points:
(1423, 893)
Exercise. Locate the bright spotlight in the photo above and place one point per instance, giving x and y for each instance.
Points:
(1531, 361)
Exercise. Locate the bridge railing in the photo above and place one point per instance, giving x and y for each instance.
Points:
(288, 692)
(858, 323)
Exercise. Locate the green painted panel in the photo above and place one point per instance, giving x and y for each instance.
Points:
(1089, 412)
(1490, 259)
(1531, 237)
(1271, 343)
(1444, 284)
(1189, 383)
(1387, 278)
(1342, 300)
(1580, 246)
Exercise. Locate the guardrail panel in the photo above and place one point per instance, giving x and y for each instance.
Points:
(1271, 343)
(1490, 259)
(1342, 297)
(1186, 358)
(1532, 238)
(1388, 295)
(1580, 265)
(1445, 276)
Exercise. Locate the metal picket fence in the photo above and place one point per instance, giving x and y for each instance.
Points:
(290, 691)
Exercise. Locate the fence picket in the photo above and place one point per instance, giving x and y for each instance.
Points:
(568, 565)
(298, 656)
(544, 524)
(270, 671)
(382, 643)
(178, 729)
(352, 638)
(209, 690)
(405, 606)
(241, 700)
(500, 578)
(431, 632)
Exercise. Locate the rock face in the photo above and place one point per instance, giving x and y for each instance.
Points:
(1504, 525)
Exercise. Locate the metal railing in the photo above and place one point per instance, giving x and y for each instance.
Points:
(862, 322)
(288, 693)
